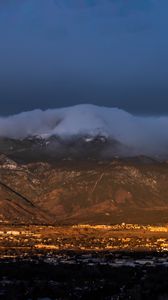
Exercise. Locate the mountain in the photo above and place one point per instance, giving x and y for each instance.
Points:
(36, 148)
(83, 131)
(88, 191)
(83, 164)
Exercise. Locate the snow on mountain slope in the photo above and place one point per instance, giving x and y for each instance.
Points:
(143, 135)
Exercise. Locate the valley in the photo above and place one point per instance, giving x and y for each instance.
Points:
(124, 261)
(25, 241)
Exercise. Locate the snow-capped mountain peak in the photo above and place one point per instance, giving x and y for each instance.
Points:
(89, 123)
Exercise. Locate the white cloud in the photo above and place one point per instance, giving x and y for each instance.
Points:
(144, 135)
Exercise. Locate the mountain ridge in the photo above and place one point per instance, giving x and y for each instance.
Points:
(84, 125)
(94, 192)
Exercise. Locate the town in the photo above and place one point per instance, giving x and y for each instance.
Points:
(24, 240)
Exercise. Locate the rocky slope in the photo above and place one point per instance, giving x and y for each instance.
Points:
(88, 191)
(36, 148)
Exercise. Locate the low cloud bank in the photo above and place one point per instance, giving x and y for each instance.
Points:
(142, 135)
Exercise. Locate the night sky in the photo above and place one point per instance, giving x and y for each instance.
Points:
(56, 53)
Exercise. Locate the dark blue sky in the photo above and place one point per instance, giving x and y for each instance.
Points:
(57, 53)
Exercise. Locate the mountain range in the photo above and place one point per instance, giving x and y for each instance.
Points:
(83, 164)
(84, 130)
(70, 191)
